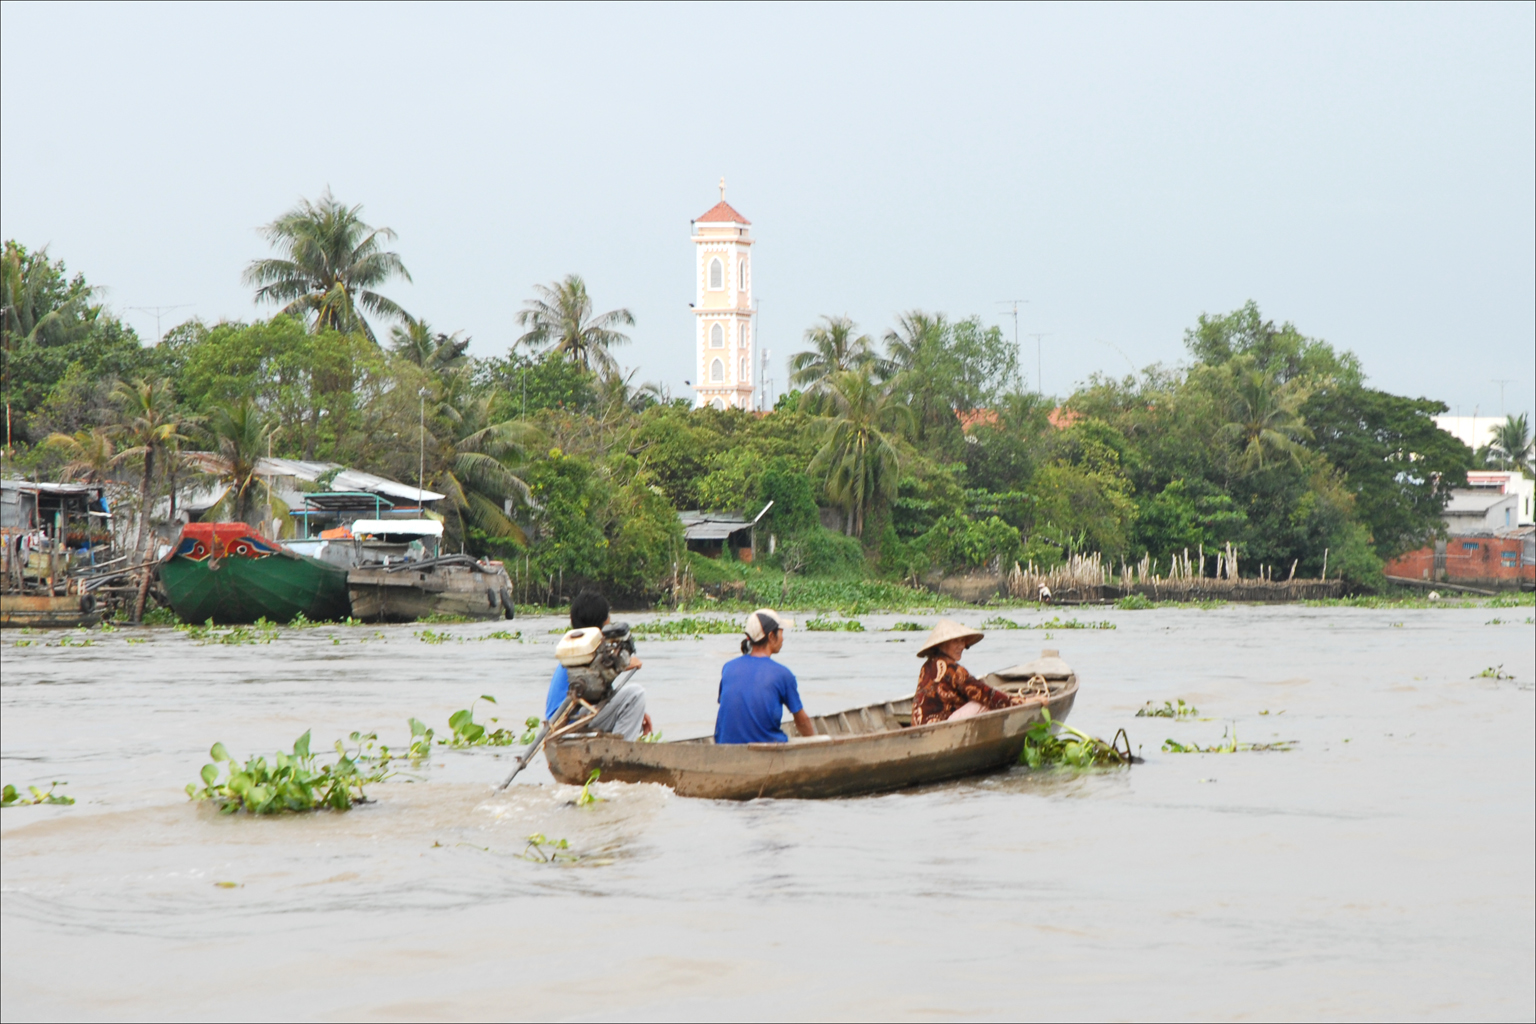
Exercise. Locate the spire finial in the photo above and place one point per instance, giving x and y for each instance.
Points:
(722, 188)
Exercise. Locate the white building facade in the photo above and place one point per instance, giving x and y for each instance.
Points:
(725, 319)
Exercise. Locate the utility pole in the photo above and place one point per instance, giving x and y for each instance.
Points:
(1501, 384)
(1015, 311)
(1039, 362)
(157, 312)
(421, 459)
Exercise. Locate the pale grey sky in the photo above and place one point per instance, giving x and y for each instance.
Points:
(1365, 171)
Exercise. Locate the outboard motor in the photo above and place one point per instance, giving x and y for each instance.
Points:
(593, 659)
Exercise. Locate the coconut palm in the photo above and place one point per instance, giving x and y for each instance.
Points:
(91, 454)
(437, 352)
(835, 347)
(482, 459)
(330, 265)
(561, 319)
(917, 353)
(241, 433)
(1265, 423)
(858, 456)
(35, 308)
(149, 422)
(1510, 446)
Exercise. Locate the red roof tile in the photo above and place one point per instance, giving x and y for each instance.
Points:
(722, 211)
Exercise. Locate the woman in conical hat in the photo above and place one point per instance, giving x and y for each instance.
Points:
(945, 690)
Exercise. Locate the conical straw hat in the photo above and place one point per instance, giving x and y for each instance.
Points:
(949, 629)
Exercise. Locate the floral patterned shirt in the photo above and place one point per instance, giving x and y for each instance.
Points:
(944, 687)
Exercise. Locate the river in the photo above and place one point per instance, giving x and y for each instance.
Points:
(1385, 867)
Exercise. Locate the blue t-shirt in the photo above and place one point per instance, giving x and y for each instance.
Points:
(751, 692)
(559, 686)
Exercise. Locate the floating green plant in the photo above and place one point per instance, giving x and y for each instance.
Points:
(426, 636)
(586, 797)
(679, 629)
(543, 850)
(1229, 745)
(1000, 622)
(1046, 747)
(436, 619)
(290, 782)
(502, 634)
(1493, 672)
(9, 797)
(1135, 602)
(469, 733)
(820, 625)
(1057, 623)
(909, 627)
(259, 632)
(421, 740)
(1169, 710)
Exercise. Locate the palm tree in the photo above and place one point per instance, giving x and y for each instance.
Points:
(482, 461)
(1510, 446)
(242, 434)
(149, 422)
(91, 454)
(34, 309)
(860, 460)
(1265, 422)
(916, 351)
(834, 348)
(437, 352)
(561, 320)
(332, 262)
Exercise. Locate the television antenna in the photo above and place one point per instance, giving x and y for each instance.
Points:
(1014, 312)
(1501, 384)
(157, 312)
(1039, 373)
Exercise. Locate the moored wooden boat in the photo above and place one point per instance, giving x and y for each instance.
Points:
(46, 611)
(861, 750)
(225, 572)
(398, 573)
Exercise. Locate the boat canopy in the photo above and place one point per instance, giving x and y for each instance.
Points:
(397, 527)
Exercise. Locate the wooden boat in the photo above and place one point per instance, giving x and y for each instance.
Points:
(397, 573)
(227, 573)
(861, 750)
(44, 611)
(455, 585)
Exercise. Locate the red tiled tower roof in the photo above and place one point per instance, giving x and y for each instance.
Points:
(722, 212)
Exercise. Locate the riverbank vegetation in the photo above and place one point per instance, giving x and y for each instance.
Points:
(895, 461)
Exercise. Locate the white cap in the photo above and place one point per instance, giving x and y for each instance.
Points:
(764, 621)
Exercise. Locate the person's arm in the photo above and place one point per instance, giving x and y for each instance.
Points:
(804, 724)
(978, 691)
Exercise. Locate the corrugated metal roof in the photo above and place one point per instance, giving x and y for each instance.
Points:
(707, 530)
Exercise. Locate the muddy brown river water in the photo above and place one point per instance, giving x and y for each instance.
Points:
(1383, 868)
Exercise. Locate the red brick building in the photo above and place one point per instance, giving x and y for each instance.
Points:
(1485, 560)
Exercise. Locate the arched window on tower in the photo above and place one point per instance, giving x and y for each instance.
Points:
(716, 274)
(741, 274)
(717, 371)
(743, 377)
(718, 404)
(717, 337)
(741, 335)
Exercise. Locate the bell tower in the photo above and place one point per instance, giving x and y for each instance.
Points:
(724, 316)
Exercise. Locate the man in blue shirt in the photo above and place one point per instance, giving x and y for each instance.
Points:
(625, 711)
(754, 687)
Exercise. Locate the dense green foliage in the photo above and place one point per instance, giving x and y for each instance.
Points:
(895, 461)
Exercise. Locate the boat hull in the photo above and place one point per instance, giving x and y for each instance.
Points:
(393, 594)
(866, 750)
(41, 611)
(235, 590)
